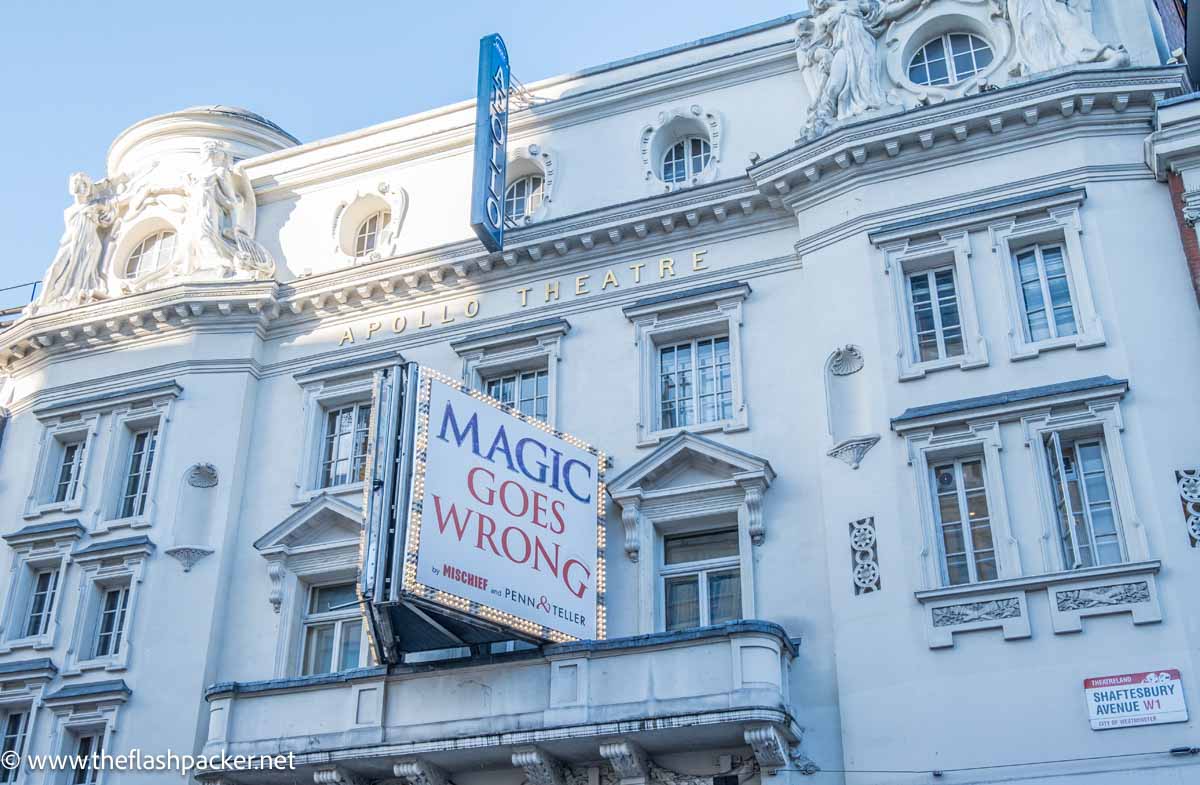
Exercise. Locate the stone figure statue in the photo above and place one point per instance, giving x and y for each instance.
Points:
(216, 224)
(75, 276)
(838, 45)
(1055, 34)
(212, 200)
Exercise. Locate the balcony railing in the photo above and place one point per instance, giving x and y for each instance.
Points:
(13, 300)
(714, 686)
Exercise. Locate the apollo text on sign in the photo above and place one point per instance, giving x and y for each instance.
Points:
(1125, 700)
(491, 143)
(506, 517)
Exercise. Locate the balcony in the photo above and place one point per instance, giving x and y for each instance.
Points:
(551, 711)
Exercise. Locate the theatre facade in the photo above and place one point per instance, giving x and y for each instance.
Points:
(884, 316)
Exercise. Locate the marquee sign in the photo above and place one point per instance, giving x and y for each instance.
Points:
(483, 524)
(1153, 698)
(491, 142)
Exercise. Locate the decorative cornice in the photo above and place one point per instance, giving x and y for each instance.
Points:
(448, 130)
(932, 131)
(188, 306)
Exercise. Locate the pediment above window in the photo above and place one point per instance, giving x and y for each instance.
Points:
(322, 523)
(691, 476)
(688, 463)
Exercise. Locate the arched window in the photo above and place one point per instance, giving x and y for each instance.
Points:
(368, 232)
(151, 253)
(949, 59)
(686, 159)
(523, 197)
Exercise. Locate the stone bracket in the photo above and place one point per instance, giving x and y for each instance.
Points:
(541, 768)
(628, 760)
(420, 772)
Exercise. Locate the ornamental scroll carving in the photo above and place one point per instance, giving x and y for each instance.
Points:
(1103, 596)
(969, 612)
(1189, 496)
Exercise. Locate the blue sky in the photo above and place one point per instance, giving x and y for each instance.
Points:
(76, 74)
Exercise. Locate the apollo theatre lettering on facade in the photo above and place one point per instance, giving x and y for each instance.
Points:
(813, 402)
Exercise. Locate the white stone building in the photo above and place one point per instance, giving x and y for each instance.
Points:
(853, 299)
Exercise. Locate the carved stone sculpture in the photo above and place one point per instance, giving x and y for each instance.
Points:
(217, 226)
(1056, 34)
(75, 276)
(838, 45)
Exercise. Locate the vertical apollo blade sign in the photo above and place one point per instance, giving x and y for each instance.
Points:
(491, 143)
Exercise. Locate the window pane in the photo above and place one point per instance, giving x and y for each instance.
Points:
(332, 598)
(724, 596)
(977, 508)
(351, 641)
(682, 602)
(952, 540)
(1039, 327)
(956, 570)
(1064, 321)
(985, 567)
(948, 508)
(318, 649)
(681, 549)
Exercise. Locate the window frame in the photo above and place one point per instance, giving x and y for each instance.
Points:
(56, 435)
(138, 248)
(964, 522)
(935, 302)
(359, 434)
(693, 314)
(927, 448)
(339, 618)
(1101, 421)
(28, 563)
(1059, 482)
(530, 209)
(96, 745)
(905, 257)
(104, 568)
(693, 346)
(701, 570)
(143, 449)
(690, 173)
(322, 391)
(362, 233)
(1061, 226)
(124, 428)
(21, 743)
(954, 80)
(517, 377)
(531, 347)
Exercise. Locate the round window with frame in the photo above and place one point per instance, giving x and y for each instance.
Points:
(153, 252)
(949, 59)
(523, 197)
(686, 159)
(366, 237)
